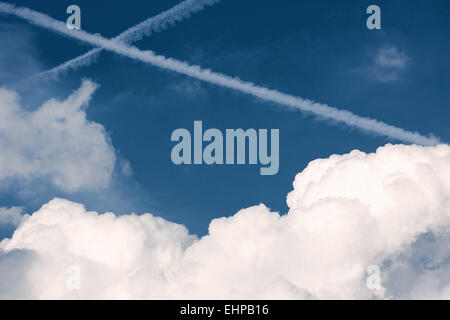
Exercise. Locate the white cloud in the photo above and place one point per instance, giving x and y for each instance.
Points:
(196, 72)
(391, 57)
(56, 141)
(389, 62)
(390, 208)
(158, 23)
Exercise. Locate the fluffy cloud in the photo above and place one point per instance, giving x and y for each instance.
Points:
(348, 212)
(54, 142)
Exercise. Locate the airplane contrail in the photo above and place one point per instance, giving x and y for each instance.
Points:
(157, 23)
(321, 110)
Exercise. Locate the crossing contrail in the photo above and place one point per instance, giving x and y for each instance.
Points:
(321, 110)
(157, 23)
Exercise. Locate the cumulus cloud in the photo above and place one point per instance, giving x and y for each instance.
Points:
(55, 142)
(347, 212)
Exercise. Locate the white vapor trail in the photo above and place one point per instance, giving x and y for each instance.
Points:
(322, 110)
(157, 23)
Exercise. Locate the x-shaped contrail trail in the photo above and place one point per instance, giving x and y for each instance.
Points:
(322, 110)
(157, 23)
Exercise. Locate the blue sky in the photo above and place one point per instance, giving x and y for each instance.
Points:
(320, 50)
